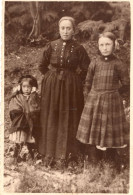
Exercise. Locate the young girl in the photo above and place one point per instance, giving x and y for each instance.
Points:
(24, 109)
(103, 121)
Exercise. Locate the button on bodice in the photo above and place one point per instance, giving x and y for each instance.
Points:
(64, 54)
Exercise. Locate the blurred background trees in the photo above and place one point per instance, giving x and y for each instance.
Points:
(37, 22)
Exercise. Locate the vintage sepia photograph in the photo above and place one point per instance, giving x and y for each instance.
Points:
(67, 96)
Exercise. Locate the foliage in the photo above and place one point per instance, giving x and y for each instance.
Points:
(90, 29)
(119, 24)
(91, 10)
(20, 19)
(121, 10)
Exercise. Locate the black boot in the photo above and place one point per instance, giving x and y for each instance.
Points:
(101, 155)
(91, 152)
(17, 150)
(30, 147)
(111, 155)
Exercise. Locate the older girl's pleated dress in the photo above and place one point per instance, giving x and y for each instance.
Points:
(103, 120)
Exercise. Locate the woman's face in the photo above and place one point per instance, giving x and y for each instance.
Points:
(66, 30)
(106, 46)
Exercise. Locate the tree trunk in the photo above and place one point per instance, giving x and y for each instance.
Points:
(34, 9)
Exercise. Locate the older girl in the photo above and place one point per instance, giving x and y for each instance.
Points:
(103, 121)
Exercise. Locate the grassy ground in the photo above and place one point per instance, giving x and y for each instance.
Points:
(29, 177)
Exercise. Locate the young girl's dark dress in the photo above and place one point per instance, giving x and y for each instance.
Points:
(103, 120)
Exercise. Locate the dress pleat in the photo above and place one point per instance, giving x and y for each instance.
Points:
(103, 120)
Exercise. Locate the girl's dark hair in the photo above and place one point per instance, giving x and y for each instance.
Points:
(32, 80)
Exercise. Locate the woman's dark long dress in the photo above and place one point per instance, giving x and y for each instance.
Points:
(64, 66)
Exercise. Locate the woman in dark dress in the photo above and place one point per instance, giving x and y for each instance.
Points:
(64, 66)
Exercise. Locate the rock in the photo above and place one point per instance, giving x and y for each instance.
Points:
(38, 162)
(73, 188)
(7, 180)
(15, 185)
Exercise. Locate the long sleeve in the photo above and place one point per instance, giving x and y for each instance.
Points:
(124, 79)
(89, 77)
(84, 62)
(45, 61)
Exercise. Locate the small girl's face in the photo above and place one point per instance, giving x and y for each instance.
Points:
(26, 88)
(106, 46)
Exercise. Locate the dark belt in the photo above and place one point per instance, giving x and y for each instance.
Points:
(61, 71)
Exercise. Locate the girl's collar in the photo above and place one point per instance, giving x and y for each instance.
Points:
(107, 58)
(26, 96)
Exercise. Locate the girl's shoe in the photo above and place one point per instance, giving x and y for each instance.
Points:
(92, 154)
